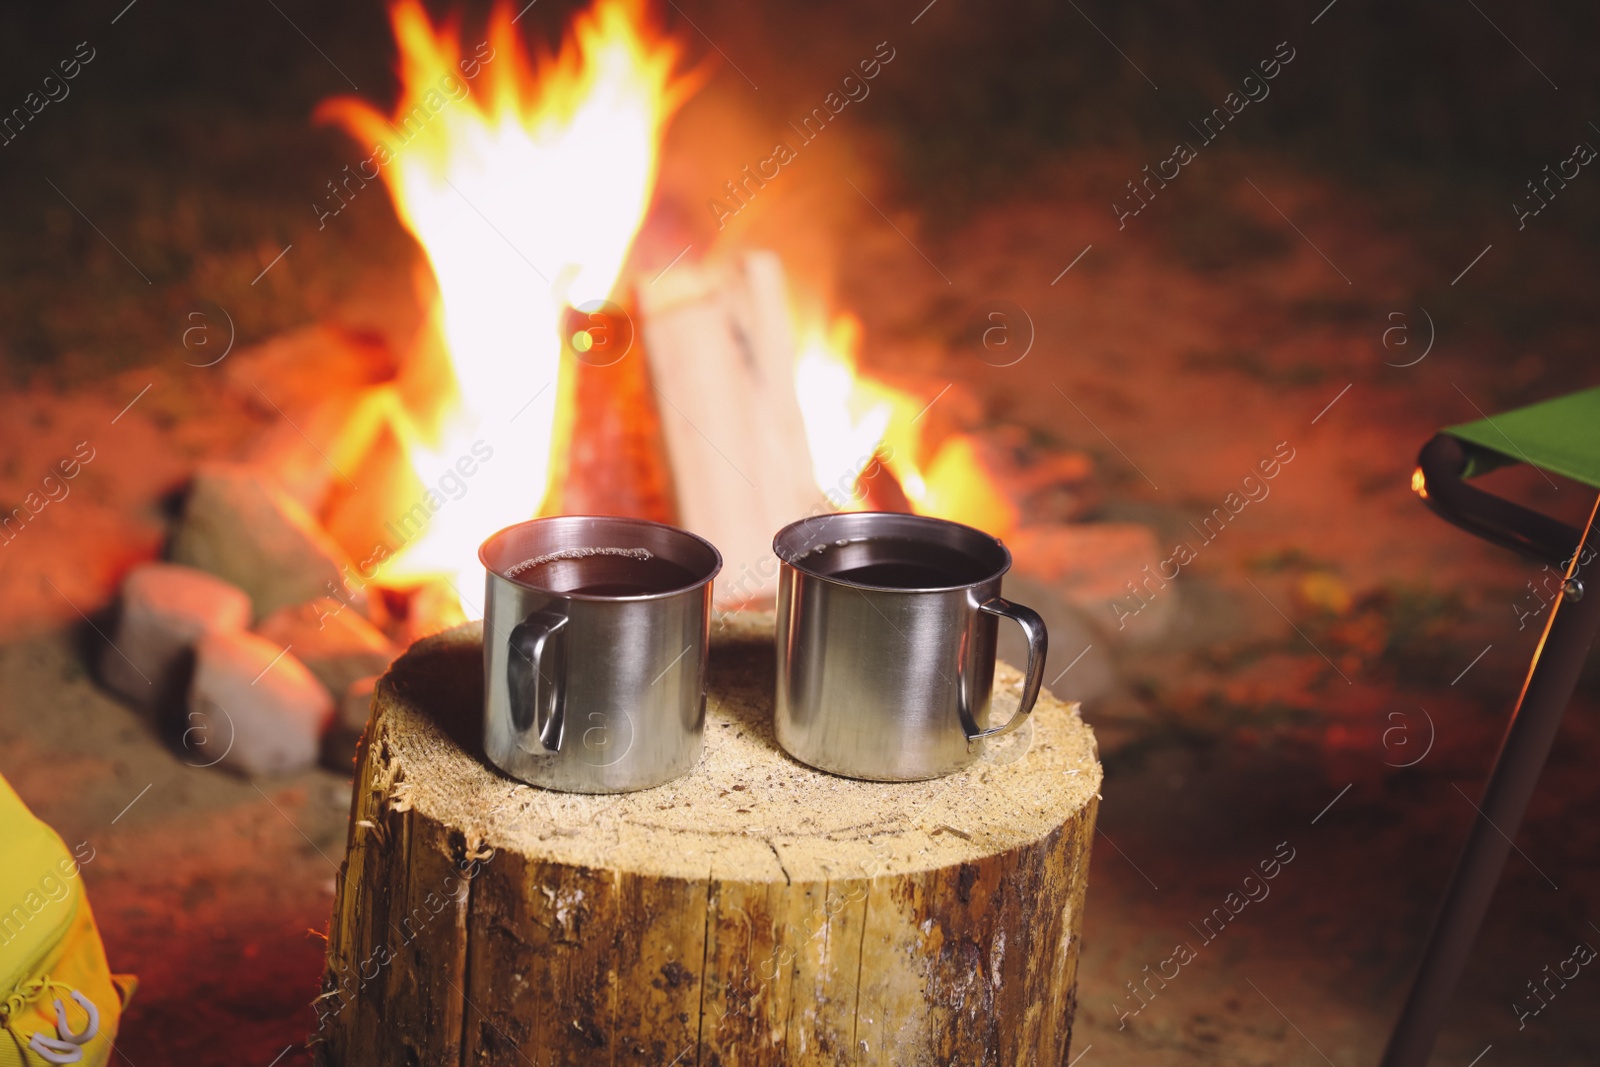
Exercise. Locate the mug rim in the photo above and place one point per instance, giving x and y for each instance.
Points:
(908, 518)
(709, 574)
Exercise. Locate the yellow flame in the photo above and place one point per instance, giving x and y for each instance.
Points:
(956, 487)
(525, 185)
(844, 423)
(850, 418)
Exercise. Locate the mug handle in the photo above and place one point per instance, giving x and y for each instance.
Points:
(1038, 642)
(538, 704)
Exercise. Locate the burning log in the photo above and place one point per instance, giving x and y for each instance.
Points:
(312, 456)
(614, 462)
(319, 386)
(756, 912)
(378, 507)
(722, 359)
(238, 525)
(880, 490)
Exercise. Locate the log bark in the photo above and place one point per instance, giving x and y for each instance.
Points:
(755, 912)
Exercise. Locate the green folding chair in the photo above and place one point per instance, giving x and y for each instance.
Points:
(1561, 436)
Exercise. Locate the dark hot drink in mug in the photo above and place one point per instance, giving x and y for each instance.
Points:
(595, 638)
(603, 572)
(886, 635)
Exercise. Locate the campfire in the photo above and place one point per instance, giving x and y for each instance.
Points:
(525, 184)
(835, 460)
(525, 195)
(558, 369)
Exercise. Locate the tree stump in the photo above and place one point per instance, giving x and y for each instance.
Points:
(754, 912)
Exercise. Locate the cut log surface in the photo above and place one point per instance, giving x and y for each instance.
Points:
(753, 912)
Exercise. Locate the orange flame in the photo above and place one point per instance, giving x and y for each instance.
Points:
(525, 184)
(852, 420)
(845, 419)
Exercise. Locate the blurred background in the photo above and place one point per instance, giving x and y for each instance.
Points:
(1353, 261)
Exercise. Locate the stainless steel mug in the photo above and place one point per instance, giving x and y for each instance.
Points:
(594, 651)
(886, 644)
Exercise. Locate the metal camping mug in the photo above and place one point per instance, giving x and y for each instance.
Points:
(594, 651)
(886, 637)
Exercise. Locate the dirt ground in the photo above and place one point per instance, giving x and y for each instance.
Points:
(1336, 674)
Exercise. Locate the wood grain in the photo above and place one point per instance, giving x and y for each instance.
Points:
(755, 912)
(722, 361)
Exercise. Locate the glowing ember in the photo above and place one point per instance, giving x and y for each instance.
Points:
(849, 418)
(525, 187)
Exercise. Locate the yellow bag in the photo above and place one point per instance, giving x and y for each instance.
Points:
(59, 1001)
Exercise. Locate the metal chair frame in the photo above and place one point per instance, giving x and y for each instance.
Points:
(1552, 677)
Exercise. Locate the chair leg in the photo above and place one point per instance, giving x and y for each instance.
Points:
(1569, 633)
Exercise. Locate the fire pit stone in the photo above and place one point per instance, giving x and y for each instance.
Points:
(336, 645)
(240, 526)
(1040, 484)
(1080, 666)
(166, 608)
(257, 704)
(431, 607)
(1110, 571)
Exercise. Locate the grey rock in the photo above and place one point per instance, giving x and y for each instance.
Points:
(165, 609)
(1079, 664)
(253, 707)
(335, 643)
(241, 527)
